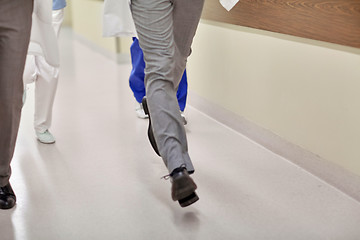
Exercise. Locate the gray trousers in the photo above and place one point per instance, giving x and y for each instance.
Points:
(15, 25)
(166, 29)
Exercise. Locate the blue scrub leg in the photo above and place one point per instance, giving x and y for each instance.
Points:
(137, 76)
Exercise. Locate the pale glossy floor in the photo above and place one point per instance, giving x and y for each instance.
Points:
(101, 180)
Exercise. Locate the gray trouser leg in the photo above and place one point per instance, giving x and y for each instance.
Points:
(166, 30)
(15, 25)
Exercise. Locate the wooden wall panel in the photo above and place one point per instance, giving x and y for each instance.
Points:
(335, 21)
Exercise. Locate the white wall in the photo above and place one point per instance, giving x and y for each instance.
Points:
(305, 91)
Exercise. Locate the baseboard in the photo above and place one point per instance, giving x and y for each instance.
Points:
(338, 177)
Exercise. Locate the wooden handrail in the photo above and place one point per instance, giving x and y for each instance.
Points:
(335, 21)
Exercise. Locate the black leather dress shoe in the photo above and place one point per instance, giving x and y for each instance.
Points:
(7, 197)
(183, 187)
(150, 131)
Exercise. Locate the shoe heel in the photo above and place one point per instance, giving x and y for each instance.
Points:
(150, 132)
(144, 104)
(192, 198)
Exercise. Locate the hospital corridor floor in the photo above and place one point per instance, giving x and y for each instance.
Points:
(101, 180)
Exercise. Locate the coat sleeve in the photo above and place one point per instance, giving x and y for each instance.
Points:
(117, 19)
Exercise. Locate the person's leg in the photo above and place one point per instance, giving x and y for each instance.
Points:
(185, 21)
(186, 18)
(165, 63)
(30, 73)
(45, 88)
(15, 25)
(57, 20)
(30, 70)
(159, 48)
(137, 75)
(182, 92)
(163, 70)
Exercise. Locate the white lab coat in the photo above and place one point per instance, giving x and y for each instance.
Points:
(117, 19)
(43, 39)
(42, 61)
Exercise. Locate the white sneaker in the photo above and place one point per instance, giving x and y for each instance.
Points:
(45, 137)
(140, 111)
(183, 117)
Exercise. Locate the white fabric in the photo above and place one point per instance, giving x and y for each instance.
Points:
(117, 19)
(228, 4)
(45, 76)
(46, 79)
(43, 40)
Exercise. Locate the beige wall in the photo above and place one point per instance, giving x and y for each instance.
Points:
(305, 91)
(68, 14)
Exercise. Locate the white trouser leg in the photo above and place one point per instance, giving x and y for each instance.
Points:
(57, 20)
(46, 83)
(30, 73)
(45, 89)
(30, 70)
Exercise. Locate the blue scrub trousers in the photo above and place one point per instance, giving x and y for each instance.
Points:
(137, 75)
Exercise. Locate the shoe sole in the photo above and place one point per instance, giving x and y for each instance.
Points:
(7, 205)
(150, 132)
(46, 142)
(192, 198)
